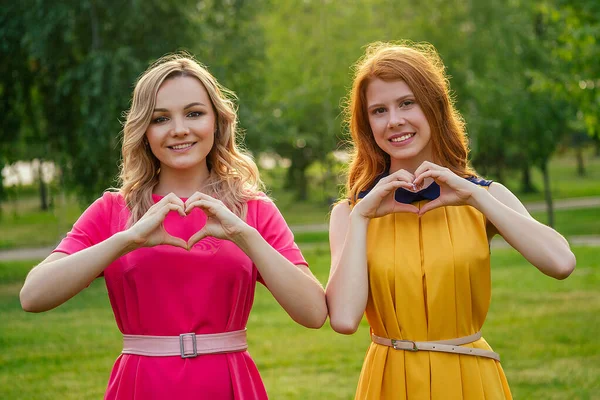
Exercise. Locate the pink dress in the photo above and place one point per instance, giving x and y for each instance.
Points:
(167, 291)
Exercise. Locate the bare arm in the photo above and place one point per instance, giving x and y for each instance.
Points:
(541, 245)
(347, 289)
(60, 276)
(294, 287)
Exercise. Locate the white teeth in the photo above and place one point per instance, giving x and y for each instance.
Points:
(182, 146)
(402, 138)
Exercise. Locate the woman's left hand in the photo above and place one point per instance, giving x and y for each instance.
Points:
(221, 223)
(454, 190)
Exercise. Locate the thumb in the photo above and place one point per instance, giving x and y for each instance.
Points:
(408, 208)
(175, 241)
(433, 204)
(198, 236)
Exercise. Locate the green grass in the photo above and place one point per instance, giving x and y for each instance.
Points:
(545, 330)
(23, 224)
(585, 221)
(564, 181)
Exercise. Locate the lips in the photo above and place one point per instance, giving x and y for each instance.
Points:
(401, 137)
(181, 146)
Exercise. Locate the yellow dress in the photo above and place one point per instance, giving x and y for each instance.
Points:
(429, 279)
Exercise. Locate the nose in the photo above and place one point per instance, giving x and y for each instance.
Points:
(396, 119)
(179, 127)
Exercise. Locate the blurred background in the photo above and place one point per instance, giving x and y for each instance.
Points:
(525, 75)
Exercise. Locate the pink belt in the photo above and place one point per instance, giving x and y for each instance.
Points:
(444, 346)
(186, 345)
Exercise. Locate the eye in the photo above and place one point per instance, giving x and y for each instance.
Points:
(378, 110)
(406, 103)
(195, 114)
(158, 120)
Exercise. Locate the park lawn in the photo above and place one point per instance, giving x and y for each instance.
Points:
(545, 330)
(564, 181)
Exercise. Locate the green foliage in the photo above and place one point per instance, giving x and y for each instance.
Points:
(75, 62)
(525, 74)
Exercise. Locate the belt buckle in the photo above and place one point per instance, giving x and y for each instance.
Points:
(396, 342)
(194, 348)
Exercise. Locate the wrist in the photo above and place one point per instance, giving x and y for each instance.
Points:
(478, 196)
(243, 238)
(356, 217)
(127, 242)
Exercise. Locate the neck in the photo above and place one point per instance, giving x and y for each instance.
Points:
(410, 164)
(183, 183)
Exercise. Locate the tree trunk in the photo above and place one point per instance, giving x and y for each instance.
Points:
(548, 193)
(301, 184)
(43, 188)
(580, 161)
(526, 184)
(2, 192)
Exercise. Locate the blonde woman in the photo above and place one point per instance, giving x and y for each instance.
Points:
(410, 245)
(181, 245)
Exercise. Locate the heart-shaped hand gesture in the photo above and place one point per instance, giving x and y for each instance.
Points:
(221, 222)
(380, 200)
(454, 190)
(149, 231)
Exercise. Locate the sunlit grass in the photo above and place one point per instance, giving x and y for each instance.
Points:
(545, 330)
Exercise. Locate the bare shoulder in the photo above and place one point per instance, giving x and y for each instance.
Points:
(340, 211)
(506, 197)
(338, 222)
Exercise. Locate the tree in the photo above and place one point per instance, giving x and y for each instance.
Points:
(76, 62)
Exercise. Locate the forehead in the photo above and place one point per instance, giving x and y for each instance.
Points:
(379, 90)
(181, 90)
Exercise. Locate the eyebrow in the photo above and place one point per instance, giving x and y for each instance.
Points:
(399, 99)
(185, 108)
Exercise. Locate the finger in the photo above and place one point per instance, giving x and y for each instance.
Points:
(432, 173)
(426, 166)
(206, 205)
(167, 208)
(407, 208)
(202, 200)
(430, 206)
(403, 174)
(196, 237)
(171, 198)
(194, 197)
(175, 241)
(390, 187)
(400, 175)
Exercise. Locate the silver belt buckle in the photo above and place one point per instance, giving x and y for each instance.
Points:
(194, 348)
(396, 342)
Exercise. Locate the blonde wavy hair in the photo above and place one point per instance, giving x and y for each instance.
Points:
(233, 178)
(420, 66)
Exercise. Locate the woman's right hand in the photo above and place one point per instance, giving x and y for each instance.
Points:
(149, 231)
(380, 200)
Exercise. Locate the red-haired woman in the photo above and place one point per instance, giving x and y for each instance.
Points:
(411, 246)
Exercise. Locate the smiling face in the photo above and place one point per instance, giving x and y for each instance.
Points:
(182, 128)
(399, 125)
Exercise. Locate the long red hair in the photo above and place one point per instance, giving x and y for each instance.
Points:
(420, 66)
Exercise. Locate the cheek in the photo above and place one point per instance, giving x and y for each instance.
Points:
(376, 125)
